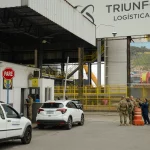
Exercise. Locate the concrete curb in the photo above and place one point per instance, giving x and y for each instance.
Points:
(34, 126)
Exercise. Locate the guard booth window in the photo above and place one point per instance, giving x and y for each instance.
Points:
(47, 94)
(35, 93)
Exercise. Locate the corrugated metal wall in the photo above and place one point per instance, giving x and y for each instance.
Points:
(9, 3)
(116, 62)
(66, 16)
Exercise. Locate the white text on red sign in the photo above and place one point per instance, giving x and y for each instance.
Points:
(8, 73)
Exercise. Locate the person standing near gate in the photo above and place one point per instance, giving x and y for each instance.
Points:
(130, 110)
(144, 107)
(123, 111)
(29, 104)
(134, 104)
(138, 101)
(133, 101)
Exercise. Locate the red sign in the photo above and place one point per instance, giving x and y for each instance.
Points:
(8, 73)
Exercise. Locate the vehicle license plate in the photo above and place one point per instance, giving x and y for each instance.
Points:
(50, 112)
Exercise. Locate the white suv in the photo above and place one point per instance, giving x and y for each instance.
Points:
(59, 113)
(13, 125)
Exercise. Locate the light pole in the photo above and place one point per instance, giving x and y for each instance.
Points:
(128, 64)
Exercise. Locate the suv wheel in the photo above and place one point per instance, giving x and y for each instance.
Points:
(40, 126)
(27, 136)
(69, 123)
(81, 123)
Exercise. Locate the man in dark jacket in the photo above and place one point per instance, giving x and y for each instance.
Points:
(144, 107)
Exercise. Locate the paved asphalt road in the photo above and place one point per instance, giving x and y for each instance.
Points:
(99, 132)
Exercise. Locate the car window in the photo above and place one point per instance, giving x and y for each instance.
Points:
(52, 105)
(73, 105)
(10, 112)
(69, 105)
(1, 113)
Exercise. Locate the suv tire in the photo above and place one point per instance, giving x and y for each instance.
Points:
(81, 123)
(69, 123)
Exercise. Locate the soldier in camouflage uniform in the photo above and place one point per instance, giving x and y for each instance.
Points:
(138, 101)
(130, 110)
(30, 102)
(133, 101)
(123, 111)
(134, 104)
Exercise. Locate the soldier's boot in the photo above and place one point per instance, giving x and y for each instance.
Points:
(125, 124)
(121, 124)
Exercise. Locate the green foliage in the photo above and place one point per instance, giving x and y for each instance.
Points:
(140, 56)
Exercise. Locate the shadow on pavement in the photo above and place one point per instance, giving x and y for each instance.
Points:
(55, 128)
(17, 143)
(10, 144)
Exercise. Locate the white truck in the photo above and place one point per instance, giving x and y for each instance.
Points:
(13, 125)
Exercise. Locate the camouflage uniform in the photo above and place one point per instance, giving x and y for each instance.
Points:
(130, 110)
(138, 101)
(123, 111)
(134, 105)
(134, 102)
(30, 108)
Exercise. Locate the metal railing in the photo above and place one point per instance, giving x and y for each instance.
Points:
(52, 74)
(102, 98)
(94, 98)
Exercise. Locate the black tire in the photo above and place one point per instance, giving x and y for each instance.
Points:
(27, 136)
(81, 123)
(69, 123)
(40, 126)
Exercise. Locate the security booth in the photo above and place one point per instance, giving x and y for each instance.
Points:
(41, 90)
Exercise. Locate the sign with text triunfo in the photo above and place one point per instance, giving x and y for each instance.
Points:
(8, 74)
(126, 17)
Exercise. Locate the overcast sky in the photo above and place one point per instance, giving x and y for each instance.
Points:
(141, 44)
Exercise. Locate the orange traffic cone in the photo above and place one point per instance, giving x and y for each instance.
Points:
(138, 119)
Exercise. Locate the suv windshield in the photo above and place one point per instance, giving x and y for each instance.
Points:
(52, 105)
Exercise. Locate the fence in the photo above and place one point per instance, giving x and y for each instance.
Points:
(102, 98)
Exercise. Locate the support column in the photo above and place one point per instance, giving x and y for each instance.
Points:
(63, 63)
(98, 62)
(63, 71)
(62, 67)
(128, 63)
(40, 57)
(35, 58)
(89, 73)
(81, 62)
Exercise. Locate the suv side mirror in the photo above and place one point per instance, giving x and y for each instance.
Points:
(78, 106)
(21, 115)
